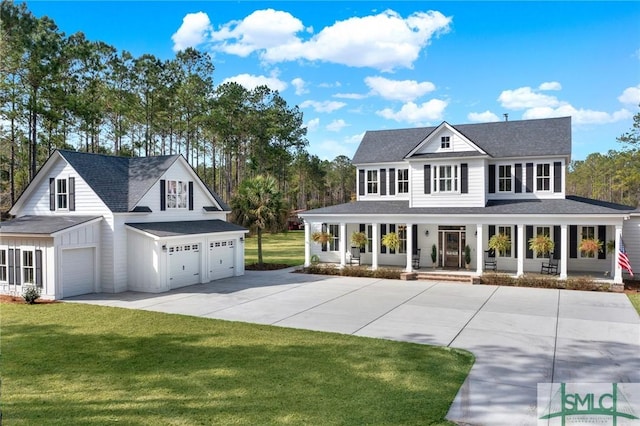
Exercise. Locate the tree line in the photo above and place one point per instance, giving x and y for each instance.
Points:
(68, 92)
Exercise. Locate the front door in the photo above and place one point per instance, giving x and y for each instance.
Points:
(452, 249)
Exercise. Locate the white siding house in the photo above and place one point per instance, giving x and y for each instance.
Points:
(467, 183)
(96, 223)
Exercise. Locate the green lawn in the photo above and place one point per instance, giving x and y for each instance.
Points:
(284, 248)
(635, 301)
(68, 363)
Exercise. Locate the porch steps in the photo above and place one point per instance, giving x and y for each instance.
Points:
(449, 277)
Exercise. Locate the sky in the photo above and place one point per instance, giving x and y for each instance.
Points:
(353, 66)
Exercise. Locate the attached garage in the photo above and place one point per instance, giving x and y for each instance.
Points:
(184, 265)
(78, 271)
(221, 259)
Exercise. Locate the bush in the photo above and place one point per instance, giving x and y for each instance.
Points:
(31, 294)
(542, 281)
(390, 274)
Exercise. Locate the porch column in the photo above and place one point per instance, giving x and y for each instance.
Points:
(479, 250)
(343, 244)
(564, 252)
(520, 250)
(307, 244)
(375, 243)
(409, 267)
(617, 278)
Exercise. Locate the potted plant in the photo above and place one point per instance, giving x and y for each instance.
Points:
(542, 244)
(359, 239)
(391, 241)
(500, 243)
(590, 246)
(321, 237)
(467, 256)
(434, 255)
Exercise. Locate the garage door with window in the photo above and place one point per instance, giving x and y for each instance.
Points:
(184, 265)
(78, 271)
(221, 259)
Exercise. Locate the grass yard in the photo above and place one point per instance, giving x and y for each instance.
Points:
(285, 248)
(67, 363)
(635, 301)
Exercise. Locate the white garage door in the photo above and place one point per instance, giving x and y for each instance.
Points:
(221, 259)
(184, 265)
(78, 272)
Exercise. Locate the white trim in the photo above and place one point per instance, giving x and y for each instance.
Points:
(434, 132)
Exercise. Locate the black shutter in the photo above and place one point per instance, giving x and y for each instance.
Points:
(515, 245)
(602, 236)
(557, 248)
(492, 232)
(383, 232)
(163, 195)
(529, 177)
(52, 194)
(492, 178)
(573, 241)
(529, 233)
(414, 233)
(518, 187)
(363, 228)
(427, 179)
(190, 195)
(324, 229)
(18, 272)
(557, 176)
(10, 270)
(39, 268)
(464, 178)
(392, 181)
(72, 194)
(383, 181)
(361, 182)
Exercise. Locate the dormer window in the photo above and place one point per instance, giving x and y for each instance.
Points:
(445, 142)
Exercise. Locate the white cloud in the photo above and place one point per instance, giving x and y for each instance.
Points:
(193, 31)
(324, 106)
(525, 97)
(416, 114)
(300, 86)
(630, 95)
(550, 85)
(385, 41)
(578, 116)
(331, 147)
(313, 124)
(250, 81)
(349, 96)
(482, 117)
(336, 125)
(354, 138)
(398, 90)
(330, 85)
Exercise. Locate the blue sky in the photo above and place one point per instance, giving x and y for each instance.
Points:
(354, 66)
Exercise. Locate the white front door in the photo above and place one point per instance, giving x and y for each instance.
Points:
(221, 259)
(184, 265)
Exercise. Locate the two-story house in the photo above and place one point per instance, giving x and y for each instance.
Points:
(97, 223)
(456, 186)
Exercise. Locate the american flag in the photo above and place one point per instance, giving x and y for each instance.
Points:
(623, 259)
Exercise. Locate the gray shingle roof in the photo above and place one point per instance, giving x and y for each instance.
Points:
(571, 205)
(520, 138)
(171, 229)
(42, 225)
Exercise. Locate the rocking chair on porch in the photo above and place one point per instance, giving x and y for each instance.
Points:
(415, 260)
(490, 262)
(355, 256)
(550, 267)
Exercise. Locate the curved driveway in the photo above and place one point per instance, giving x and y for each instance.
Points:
(520, 336)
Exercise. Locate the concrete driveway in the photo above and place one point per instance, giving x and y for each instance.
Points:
(520, 336)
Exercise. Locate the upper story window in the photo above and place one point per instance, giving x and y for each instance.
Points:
(445, 179)
(372, 181)
(403, 181)
(62, 194)
(177, 194)
(445, 142)
(504, 178)
(3, 265)
(543, 177)
(588, 233)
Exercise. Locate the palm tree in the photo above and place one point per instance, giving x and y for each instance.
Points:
(258, 205)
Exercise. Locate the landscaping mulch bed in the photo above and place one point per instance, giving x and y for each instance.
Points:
(266, 266)
(5, 298)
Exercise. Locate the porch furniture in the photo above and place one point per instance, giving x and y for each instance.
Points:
(550, 267)
(490, 262)
(415, 260)
(355, 256)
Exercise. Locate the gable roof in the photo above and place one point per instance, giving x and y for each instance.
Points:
(43, 225)
(503, 139)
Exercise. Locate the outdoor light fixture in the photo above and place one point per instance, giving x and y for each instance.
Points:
(426, 233)
(242, 239)
(164, 247)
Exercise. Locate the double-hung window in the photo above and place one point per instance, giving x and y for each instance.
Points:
(403, 181)
(28, 267)
(504, 178)
(543, 230)
(587, 233)
(506, 230)
(445, 179)
(3, 266)
(334, 241)
(62, 194)
(372, 181)
(402, 236)
(543, 177)
(177, 194)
